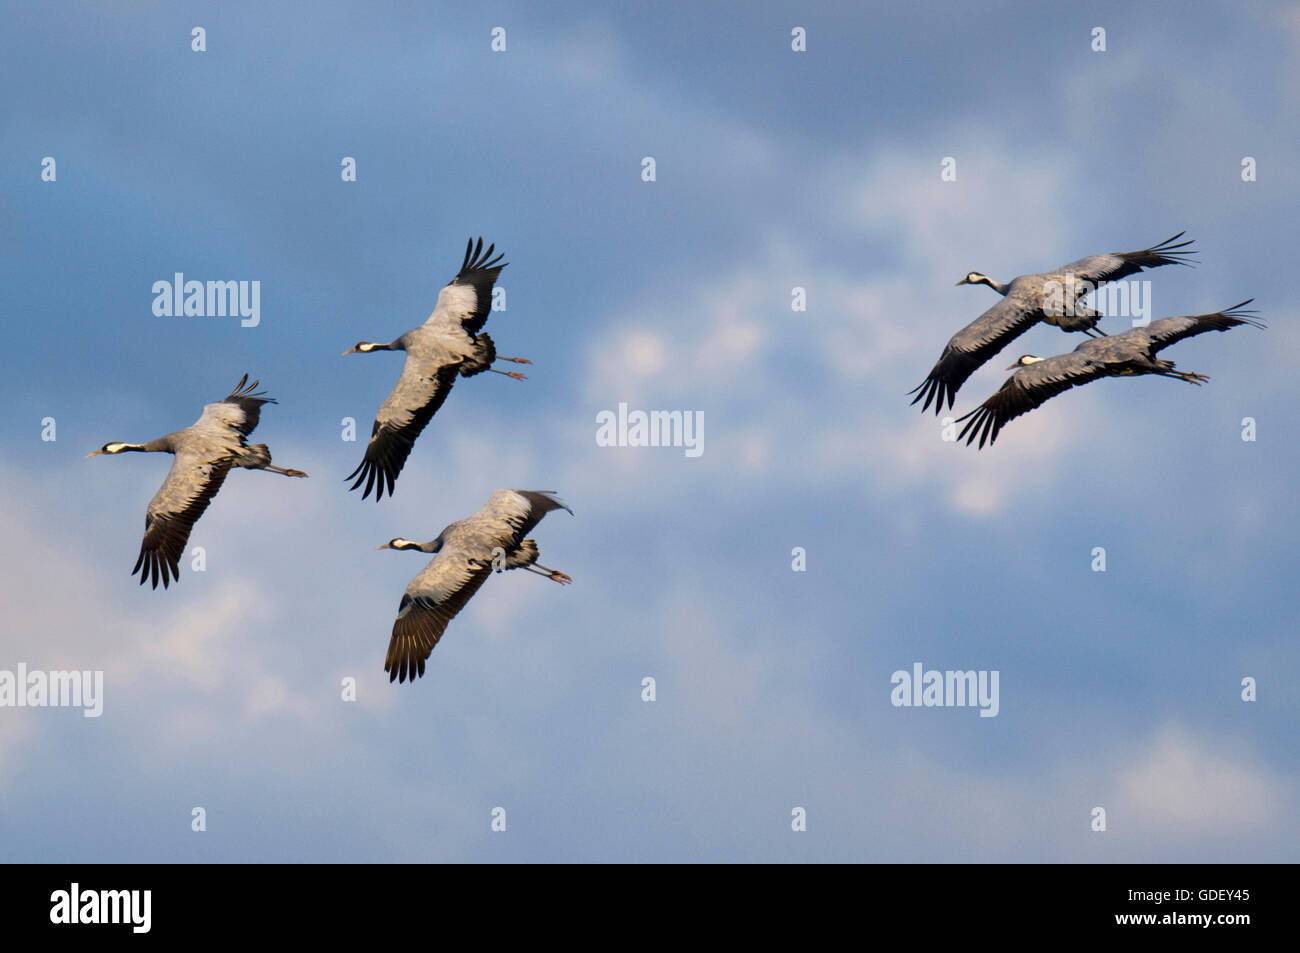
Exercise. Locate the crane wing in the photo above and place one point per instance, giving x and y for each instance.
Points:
(239, 412)
(968, 350)
(190, 486)
(401, 418)
(432, 600)
(1166, 331)
(1027, 388)
(1100, 269)
(512, 514)
(466, 301)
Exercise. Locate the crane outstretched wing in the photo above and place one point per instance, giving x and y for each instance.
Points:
(1029, 387)
(466, 301)
(240, 411)
(968, 350)
(190, 486)
(1166, 331)
(432, 600)
(512, 514)
(1100, 269)
(405, 412)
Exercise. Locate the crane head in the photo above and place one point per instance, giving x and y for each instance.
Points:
(399, 543)
(361, 347)
(1024, 360)
(974, 278)
(114, 447)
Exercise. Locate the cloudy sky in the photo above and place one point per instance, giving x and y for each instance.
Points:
(775, 169)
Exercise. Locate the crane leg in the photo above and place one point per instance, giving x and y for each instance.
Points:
(562, 578)
(292, 473)
(515, 374)
(553, 574)
(516, 360)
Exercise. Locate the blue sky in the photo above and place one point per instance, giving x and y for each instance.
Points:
(775, 169)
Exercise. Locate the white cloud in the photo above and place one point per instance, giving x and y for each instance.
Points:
(1180, 785)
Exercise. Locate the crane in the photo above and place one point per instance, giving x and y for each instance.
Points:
(1132, 353)
(205, 452)
(449, 343)
(467, 551)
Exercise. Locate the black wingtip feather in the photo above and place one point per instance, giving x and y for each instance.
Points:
(477, 260)
(249, 391)
(1240, 312)
(982, 423)
(1166, 252)
(928, 389)
(369, 472)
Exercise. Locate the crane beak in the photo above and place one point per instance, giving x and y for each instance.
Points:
(95, 454)
(962, 282)
(385, 546)
(350, 350)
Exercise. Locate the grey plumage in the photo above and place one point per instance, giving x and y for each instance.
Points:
(1052, 297)
(467, 551)
(448, 343)
(1119, 355)
(205, 452)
